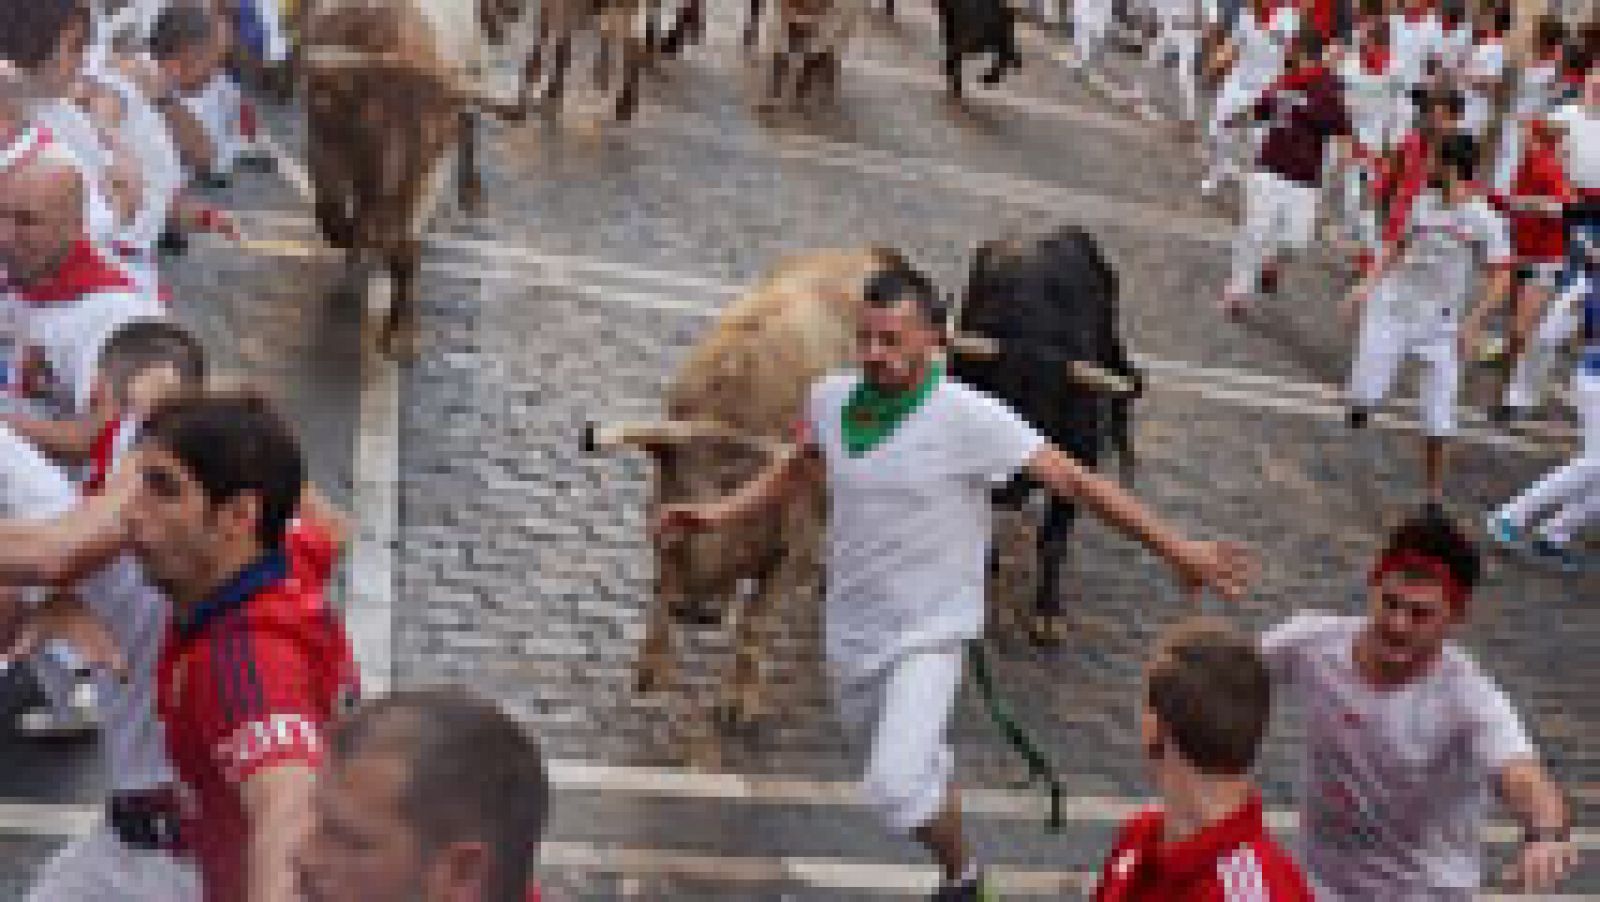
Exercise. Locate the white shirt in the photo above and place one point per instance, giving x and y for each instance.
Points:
(144, 135)
(1582, 145)
(216, 107)
(1412, 44)
(134, 749)
(1535, 88)
(909, 522)
(70, 127)
(1395, 782)
(1370, 97)
(1487, 60)
(1262, 45)
(1443, 250)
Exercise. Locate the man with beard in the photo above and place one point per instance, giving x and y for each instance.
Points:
(909, 458)
(1405, 735)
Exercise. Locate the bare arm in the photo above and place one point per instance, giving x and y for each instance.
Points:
(65, 441)
(1548, 854)
(277, 807)
(1222, 566)
(1496, 289)
(63, 549)
(194, 144)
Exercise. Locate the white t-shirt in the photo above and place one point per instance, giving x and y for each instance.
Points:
(144, 135)
(1262, 45)
(1582, 145)
(1412, 43)
(1370, 97)
(1487, 60)
(134, 749)
(216, 107)
(1444, 249)
(909, 521)
(1396, 782)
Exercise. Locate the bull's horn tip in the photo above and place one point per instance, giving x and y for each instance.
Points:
(589, 445)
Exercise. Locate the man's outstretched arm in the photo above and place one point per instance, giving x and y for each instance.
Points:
(1224, 566)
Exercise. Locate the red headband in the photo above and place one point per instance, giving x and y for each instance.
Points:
(1417, 562)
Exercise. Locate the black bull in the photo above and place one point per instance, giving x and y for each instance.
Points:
(1046, 302)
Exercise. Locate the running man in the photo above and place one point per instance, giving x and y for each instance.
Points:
(1416, 298)
(1405, 736)
(909, 458)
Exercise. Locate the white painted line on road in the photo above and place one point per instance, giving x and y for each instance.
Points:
(374, 473)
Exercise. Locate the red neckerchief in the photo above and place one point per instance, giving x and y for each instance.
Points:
(83, 272)
(100, 452)
(1485, 36)
(1375, 60)
(1302, 78)
(1415, 16)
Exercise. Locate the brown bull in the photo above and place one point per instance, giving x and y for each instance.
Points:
(389, 93)
(732, 406)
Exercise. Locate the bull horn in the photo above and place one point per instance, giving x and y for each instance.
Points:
(1098, 378)
(664, 432)
(965, 344)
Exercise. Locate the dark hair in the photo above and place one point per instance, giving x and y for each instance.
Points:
(1307, 43)
(1549, 33)
(1430, 533)
(234, 443)
(1459, 152)
(472, 773)
(1427, 99)
(900, 282)
(1212, 694)
(181, 27)
(139, 345)
(30, 30)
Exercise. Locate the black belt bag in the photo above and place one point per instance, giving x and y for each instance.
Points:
(146, 820)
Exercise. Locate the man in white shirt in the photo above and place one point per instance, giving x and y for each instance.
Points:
(1418, 294)
(128, 856)
(1405, 736)
(67, 297)
(909, 458)
(1255, 52)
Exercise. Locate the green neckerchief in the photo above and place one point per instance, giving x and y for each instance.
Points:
(870, 416)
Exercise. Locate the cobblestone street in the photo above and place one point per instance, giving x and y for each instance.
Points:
(518, 562)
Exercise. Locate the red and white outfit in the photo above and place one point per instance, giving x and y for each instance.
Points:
(61, 127)
(1416, 308)
(1415, 37)
(246, 681)
(1262, 44)
(142, 138)
(1371, 89)
(65, 319)
(1395, 782)
(1232, 860)
(1540, 243)
(1535, 93)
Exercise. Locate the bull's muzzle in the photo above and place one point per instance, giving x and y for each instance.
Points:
(1082, 373)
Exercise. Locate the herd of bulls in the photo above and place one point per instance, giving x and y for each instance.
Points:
(392, 92)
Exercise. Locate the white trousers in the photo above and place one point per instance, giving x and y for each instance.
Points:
(1278, 214)
(1359, 216)
(1091, 22)
(1386, 341)
(1559, 323)
(1184, 40)
(1571, 493)
(99, 868)
(898, 718)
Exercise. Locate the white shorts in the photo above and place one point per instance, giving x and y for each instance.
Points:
(1284, 211)
(100, 868)
(1386, 341)
(897, 717)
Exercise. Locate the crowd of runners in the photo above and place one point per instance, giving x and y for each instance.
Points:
(165, 559)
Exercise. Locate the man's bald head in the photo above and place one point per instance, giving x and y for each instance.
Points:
(41, 211)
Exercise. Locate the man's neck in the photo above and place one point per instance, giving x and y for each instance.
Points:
(229, 564)
(1378, 675)
(1194, 801)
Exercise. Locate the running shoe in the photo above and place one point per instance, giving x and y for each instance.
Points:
(1555, 554)
(977, 889)
(1504, 532)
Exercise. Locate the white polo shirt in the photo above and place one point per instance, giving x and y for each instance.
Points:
(909, 522)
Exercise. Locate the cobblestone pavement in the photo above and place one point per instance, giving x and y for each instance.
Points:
(520, 563)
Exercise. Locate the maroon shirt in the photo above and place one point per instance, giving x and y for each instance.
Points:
(1305, 108)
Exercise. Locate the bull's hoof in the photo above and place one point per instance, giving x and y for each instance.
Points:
(1046, 630)
(399, 340)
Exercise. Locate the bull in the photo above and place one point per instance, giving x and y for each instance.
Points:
(1033, 307)
(974, 28)
(731, 408)
(392, 89)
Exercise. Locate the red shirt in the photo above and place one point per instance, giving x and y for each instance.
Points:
(249, 680)
(1294, 146)
(1403, 179)
(1233, 860)
(1539, 237)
